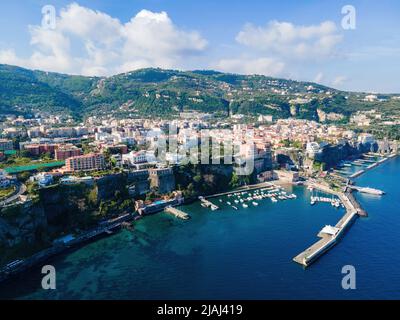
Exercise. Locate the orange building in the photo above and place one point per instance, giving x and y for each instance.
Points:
(92, 161)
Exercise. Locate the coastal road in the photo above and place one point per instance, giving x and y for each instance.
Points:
(20, 189)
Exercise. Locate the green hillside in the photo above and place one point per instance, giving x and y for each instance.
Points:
(157, 92)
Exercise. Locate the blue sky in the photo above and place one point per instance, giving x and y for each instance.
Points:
(302, 40)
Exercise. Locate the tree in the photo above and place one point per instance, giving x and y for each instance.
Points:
(235, 181)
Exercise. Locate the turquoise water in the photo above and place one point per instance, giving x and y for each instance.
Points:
(228, 254)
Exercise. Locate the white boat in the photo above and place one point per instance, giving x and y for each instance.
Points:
(274, 199)
(236, 208)
(245, 205)
(255, 203)
(228, 203)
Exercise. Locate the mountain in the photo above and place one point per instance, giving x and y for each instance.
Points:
(157, 92)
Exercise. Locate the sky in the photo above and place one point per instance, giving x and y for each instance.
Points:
(309, 40)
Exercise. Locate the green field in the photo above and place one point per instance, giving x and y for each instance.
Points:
(32, 167)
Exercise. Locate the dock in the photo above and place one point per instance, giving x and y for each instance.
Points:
(371, 166)
(357, 174)
(208, 204)
(329, 238)
(177, 213)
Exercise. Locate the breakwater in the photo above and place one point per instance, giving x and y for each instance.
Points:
(330, 235)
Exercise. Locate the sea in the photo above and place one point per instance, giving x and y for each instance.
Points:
(236, 254)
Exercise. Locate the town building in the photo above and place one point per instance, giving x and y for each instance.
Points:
(92, 161)
(162, 179)
(6, 144)
(64, 152)
(39, 149)
(133, 158)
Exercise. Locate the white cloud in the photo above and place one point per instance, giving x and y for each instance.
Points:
(291, 41)
(262, 66)
(277, 48)
(90, 42)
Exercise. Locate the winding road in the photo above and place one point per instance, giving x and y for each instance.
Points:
(20, 189)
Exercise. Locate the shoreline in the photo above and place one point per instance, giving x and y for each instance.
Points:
(308, 256)
(7, 273)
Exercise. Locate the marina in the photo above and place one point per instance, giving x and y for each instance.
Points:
(330, 235)
(367, 162)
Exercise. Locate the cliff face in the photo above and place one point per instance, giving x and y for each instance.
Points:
(107, 186)
(22, 224)
(332, 155)
(60, 209)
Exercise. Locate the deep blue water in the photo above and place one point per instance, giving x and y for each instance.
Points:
(228, 254)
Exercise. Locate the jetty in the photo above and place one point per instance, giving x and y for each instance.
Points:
(177, 213)
(208, 204)
(329, 235)
(370, 163)
(357, 174)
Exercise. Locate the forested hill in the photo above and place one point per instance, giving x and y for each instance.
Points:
(157, 92)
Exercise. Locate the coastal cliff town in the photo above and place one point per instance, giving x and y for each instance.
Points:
(58, 179)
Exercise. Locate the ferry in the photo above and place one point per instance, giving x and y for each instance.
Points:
(371, 191)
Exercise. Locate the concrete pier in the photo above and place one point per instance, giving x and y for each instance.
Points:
(177, 213)
(327, 241)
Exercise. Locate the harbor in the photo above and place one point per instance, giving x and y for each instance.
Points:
(329, 235)
(250, 196)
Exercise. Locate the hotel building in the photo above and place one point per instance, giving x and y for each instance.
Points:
(93, 161)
